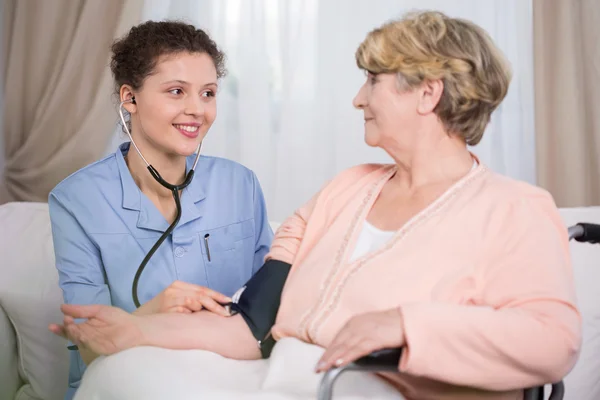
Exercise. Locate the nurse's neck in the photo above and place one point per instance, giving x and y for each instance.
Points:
(172, 170)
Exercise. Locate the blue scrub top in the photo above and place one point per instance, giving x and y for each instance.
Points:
(103, 226)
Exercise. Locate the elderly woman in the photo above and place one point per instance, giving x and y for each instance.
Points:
(467, 270)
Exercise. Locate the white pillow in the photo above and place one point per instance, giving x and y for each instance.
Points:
(31, 298)
(584, 380)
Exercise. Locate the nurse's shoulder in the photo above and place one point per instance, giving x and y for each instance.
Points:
(222, 171)
(92, 199)
(99, 180)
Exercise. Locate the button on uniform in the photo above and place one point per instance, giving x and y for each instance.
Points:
(179, 252)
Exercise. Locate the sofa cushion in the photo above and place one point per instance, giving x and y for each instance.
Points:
(31, 298)
(584, 380)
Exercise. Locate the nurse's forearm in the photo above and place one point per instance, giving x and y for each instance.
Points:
(204, 330)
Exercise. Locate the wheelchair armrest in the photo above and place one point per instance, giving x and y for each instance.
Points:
(388, 359)
(557, 392)
(585, 232)
(384, 358)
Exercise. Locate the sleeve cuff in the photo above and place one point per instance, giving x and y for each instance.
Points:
(412, 360)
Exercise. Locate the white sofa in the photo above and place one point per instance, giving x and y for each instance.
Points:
(34, 363)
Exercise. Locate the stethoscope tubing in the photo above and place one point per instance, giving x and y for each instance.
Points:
(174, 190)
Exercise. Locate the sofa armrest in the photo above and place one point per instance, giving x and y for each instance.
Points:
(30, 298)
(10, 381)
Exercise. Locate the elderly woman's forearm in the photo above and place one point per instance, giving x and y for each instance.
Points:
(525, 346)
(229, 337)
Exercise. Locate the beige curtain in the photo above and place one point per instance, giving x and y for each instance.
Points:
(567, 99)
(59, 110)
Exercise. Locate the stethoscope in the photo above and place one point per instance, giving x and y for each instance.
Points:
(174, 190)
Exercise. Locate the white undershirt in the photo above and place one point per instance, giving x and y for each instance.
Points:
(372, 238)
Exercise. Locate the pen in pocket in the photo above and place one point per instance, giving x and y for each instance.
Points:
(206, 246)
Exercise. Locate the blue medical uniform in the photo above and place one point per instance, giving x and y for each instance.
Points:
(103, 226)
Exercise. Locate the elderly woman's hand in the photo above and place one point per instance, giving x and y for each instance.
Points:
(362, 335)
(106, 331)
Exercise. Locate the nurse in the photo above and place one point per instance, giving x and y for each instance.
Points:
(108, 215)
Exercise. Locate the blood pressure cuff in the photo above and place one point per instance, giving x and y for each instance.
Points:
(258, 302)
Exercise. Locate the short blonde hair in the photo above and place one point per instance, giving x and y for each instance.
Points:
(426, 46)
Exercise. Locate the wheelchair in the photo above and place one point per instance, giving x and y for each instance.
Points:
(387, 360)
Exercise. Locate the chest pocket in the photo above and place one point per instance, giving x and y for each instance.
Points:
(228, 254)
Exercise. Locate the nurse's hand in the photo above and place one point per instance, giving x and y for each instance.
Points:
(362, 335)
(183, 297)
(106, 331)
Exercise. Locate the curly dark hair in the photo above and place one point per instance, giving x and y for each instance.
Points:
(135, 55)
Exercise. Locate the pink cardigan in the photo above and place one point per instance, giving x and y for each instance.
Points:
(482, 276)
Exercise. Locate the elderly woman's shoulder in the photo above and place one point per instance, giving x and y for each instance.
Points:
(514, 188)
(363, 170)
(352, 180)
(511, 193)
(360, 175)
(514, 210)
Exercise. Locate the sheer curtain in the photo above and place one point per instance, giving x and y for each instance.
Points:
(285, 109)
(3, 62)
(567, 77)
